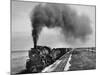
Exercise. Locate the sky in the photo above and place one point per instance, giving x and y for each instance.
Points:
(21, 27)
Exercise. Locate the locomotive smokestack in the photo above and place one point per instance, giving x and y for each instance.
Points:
(35, 37)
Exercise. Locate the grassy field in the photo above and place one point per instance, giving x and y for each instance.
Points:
(83, 60)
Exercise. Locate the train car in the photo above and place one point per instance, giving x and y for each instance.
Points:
(57, 53)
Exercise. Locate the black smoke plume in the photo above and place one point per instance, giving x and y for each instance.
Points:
(58, 15)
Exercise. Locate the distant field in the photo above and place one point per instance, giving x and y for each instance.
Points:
(83, 60)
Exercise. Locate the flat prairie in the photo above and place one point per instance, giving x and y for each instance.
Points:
(83, 60)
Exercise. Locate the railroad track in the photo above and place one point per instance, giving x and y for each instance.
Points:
(64, 61)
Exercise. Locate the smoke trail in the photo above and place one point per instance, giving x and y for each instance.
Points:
(57, 15)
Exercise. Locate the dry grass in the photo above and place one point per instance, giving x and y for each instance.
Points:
(83, 60)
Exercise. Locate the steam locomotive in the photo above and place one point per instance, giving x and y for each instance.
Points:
(41, 57)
